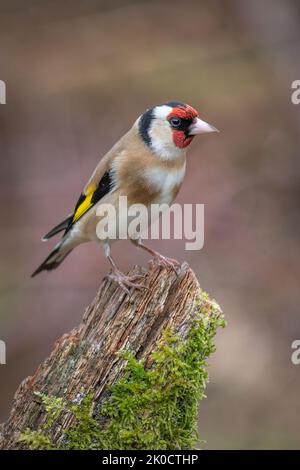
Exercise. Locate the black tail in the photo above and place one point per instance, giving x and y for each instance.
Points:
(54, 259)
(59, 228)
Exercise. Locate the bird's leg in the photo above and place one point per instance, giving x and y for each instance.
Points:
(124, 281)
(158, 258)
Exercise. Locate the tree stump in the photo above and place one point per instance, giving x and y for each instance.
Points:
(85, 361)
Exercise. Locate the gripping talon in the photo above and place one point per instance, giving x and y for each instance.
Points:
(126, 282)
(167, 262)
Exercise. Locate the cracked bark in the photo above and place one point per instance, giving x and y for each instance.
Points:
(85, 361)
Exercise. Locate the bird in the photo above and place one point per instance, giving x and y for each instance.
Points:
(147, 165)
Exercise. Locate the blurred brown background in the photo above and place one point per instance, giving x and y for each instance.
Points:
(78, 74)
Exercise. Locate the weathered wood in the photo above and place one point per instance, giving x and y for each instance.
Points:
(85, 360)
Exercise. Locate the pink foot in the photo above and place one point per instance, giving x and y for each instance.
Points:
(162, 260)
(126, 282)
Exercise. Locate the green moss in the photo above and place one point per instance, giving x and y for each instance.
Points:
(154, 408)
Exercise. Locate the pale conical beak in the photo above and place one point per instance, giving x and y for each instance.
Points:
(201, 127)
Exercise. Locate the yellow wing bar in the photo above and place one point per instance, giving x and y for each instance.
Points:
(85, 205)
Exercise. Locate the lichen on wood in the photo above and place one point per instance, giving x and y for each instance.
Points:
(129, 377)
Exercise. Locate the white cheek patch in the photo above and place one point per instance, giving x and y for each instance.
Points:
(161, 135)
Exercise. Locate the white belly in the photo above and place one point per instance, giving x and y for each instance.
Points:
(165, 181)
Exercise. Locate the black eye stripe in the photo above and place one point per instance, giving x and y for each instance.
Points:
(175, 122)
(184, 124)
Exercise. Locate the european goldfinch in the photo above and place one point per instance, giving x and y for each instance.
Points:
(147, 165)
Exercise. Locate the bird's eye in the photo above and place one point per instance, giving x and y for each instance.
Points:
(175, 122)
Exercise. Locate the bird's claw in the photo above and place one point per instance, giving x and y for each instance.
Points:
(126, 282)
(165, 262)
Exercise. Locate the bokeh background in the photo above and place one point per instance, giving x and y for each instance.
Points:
(78, 73)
